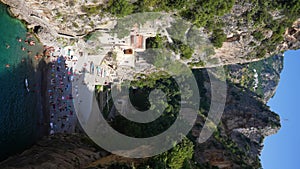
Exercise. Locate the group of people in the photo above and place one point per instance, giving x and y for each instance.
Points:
(62, 115)
(28, 41)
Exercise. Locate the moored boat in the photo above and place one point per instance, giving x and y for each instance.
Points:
(26, 84)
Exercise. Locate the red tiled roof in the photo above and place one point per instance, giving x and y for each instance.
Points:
(137, 41)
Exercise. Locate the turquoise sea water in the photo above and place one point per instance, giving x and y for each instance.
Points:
(18, 113)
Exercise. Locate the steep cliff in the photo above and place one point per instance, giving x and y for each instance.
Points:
(243, 30)
(59, 151)
(246, 121)
(259, 77)
(236, 143)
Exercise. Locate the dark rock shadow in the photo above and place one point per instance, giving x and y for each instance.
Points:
(22, 111)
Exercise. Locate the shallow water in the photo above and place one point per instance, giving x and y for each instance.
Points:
(18, 113)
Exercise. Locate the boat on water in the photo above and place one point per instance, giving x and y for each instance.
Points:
(26, 85)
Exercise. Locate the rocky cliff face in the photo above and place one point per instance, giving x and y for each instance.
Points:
(236, 143)
(260, 77)
(59, 151)
(245, 123)
(56, 22)
(243, 45)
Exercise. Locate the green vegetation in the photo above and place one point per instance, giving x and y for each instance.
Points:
(205, 17)
(120, 8)
(125, 24)
(236, 154)
(262, 19)
(258, 35)
(203, 13)
(158, 42)
(75, 24)
(139, 99)
(185, 51)
(158, 5)
(179, 28)
(87, 37)
(291, 9)
(207, 14)
(245, 76)
(180, 156)
(197, 64)
(58, 15)
(218, 37)
(155, 42)
(92, 10)
(176, 157)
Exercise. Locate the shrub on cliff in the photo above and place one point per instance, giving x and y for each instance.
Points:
(218, 37)
(120, 8)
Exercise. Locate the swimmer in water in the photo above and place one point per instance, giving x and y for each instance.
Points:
(7, 46)
(7, 65)
(32, 43)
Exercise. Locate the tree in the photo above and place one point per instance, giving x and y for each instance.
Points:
(218, 37)
(176, 157)
(120, 8)
(258, 35)
(186, 51)
(155, 42)
(203, 12)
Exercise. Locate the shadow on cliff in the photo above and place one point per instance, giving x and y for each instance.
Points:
(243, 110)
(245, 122)
(22, 120)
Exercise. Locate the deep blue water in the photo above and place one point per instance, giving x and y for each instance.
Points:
(18, 114)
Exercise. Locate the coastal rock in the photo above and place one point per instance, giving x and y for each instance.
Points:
(260, 77)
(238, 141)
(58, 151)
(245, 123)
(70, 19)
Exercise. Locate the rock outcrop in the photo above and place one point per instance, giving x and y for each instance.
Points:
(65, 20)
(59, 151)
(260, 77)
(237, 142)
(245, 123)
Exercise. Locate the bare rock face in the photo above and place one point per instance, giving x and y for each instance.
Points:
(241, 45)
(59, 151)
(238, 142)
(246, 120)
(292, 37)
(73, 19)
(261, 77)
